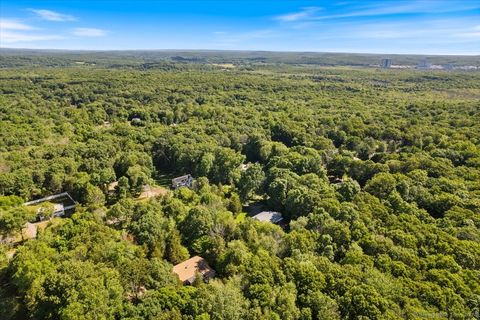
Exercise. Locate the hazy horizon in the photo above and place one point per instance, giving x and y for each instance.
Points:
(230, 50)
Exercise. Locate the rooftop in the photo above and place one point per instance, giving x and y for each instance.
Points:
(269, 216)
(181, 178)
(188, 269)
(62, 198)
(181, 181)
(57, 203)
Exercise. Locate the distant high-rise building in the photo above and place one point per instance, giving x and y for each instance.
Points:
(448, 66)
(424, 64)
(386, 63)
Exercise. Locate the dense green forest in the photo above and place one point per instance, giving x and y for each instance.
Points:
(376, 172)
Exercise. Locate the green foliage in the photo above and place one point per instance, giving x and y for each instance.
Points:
(251, 181)
(375, 173)
(77, 290)
(13, 220)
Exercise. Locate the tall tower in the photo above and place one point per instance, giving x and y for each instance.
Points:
(386, 63)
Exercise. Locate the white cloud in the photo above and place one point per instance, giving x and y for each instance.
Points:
(432, 36)
(383, 8)
(8, 36)
(11, 24)
(13, 31)
(469, 34)
(473, 33)
(89, 32)
(306, 13)
(52, 15)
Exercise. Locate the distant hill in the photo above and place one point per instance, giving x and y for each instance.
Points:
(151, 58)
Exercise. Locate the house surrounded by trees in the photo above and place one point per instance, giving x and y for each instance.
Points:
(269, 216)
(182, 181)
(57, 203)
(188, 270)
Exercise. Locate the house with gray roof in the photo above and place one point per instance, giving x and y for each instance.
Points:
(182, 181)
(269, 216)
(52, 206)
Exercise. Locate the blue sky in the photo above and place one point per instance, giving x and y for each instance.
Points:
(394, 26)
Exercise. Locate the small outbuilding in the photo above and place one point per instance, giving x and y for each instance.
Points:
(269, 216)
(136, 121)
(188, 270)
(183, 181)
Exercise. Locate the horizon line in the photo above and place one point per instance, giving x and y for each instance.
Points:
(241, 50)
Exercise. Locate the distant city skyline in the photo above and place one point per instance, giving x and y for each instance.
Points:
(388, 27)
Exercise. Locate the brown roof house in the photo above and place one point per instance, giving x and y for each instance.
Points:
(188, 270)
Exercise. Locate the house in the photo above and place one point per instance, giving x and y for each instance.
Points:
(58, 203)
(269, 216)
(189, 269)
(183, 181)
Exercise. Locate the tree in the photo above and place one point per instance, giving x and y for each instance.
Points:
(151, 229)
(322, 306)
(251, 181)
(121, 213)
(222, 301)
(381, 185)
(197, 223)
(362, 301)
(134, 275)
(13, 220)
(174, 251)
(306, 276)
(137, 178)
(122, 188)
(300, 201)
(227, 161)
(252, 148)
(205, 165)
(78, 290)
(347, 189)
(94, 197)
(234, 204)
(285, 302)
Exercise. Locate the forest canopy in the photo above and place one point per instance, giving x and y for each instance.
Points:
(376, 173)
